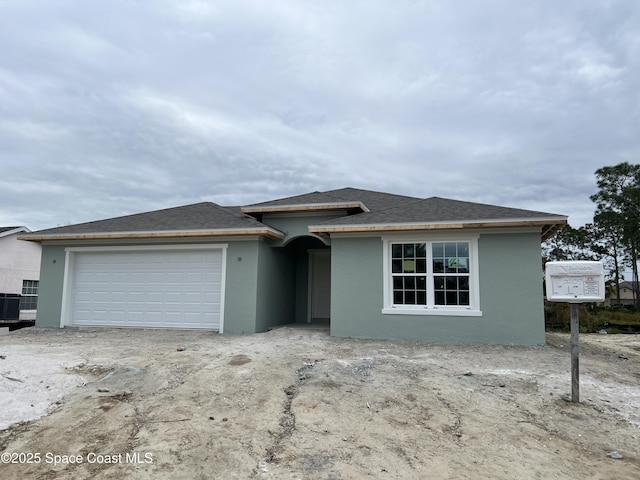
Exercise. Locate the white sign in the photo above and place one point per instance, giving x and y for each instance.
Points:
(575, 281)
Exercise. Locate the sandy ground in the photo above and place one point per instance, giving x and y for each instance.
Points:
(295, 403)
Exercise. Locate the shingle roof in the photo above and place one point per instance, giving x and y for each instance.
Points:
(446, 213)
(436, 209)
(369, 211)
(332, 199)
(304, 199)
(373, 200)
(201, 218)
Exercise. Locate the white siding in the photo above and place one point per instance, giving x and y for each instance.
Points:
(19, 260)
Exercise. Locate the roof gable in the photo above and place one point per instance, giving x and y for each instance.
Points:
(374, 200)
(351, 199)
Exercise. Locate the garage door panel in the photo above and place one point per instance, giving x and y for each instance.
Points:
(171, 289)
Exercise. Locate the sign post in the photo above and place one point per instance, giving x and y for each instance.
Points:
(575, 282)
(575, 353)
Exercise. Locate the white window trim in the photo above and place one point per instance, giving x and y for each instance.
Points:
(473, 310)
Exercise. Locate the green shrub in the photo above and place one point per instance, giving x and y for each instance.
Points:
(592, 318)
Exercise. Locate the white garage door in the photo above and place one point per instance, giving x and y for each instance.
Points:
(147, 288)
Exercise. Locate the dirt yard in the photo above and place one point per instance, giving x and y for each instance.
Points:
(295, 403)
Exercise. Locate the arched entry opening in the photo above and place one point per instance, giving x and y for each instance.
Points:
(312, 260)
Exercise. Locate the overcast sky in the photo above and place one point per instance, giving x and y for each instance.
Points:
(115, 107)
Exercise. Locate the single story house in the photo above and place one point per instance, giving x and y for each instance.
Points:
(19, 276)
(627, 296)
(370, 264)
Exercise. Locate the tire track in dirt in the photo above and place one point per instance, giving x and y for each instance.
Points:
(288, 419)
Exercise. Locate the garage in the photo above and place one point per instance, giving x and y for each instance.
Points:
(147, 287)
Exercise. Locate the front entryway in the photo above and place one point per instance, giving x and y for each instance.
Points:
(319, 285)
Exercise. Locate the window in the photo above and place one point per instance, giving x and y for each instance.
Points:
(451, 273)
(29, 299)
(409, 268)
(431, 276)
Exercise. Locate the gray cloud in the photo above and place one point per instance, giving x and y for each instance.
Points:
(108, 108)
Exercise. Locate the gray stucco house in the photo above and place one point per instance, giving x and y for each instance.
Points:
(372, 265)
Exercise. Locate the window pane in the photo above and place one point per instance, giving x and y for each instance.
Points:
(409, 298)
(397, 297)
(397, 283)
(464, 298)
(421, 283)
(409, 266)
(451, 264)
(438, 249)
(410, 283)
(421, 298)
(452, 283)
(463, 283)
(409, 250)
(438, 283)
(463, 265)
(396, 266)
(452, 298)
(463, 257)
(421, 250)
(450, 249)
(439, 298)
(421, 266)
(438, 265)
(396, 250)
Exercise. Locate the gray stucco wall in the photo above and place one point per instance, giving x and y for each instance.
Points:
(276, 287)
(302, 287)
(241, 287)
(295, 226)
(511, 288)
(511, 299)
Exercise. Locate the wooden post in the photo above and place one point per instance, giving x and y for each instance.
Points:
(575, 353)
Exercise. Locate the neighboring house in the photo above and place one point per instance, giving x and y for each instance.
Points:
(372, 265)
(19, 275)
(626, 294)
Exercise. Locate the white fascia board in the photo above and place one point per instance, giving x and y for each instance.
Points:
(306, 207)
(260, 231)
(457, 224)
(308, 213)
(14, 230)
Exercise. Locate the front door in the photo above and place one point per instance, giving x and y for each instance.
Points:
(319, 285)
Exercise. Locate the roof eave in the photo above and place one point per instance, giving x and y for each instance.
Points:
(550, 230)
(308, 207)
(13, 231)
(549, 226)
(267, 232)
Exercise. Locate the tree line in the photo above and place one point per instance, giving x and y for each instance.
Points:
(614, 235)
